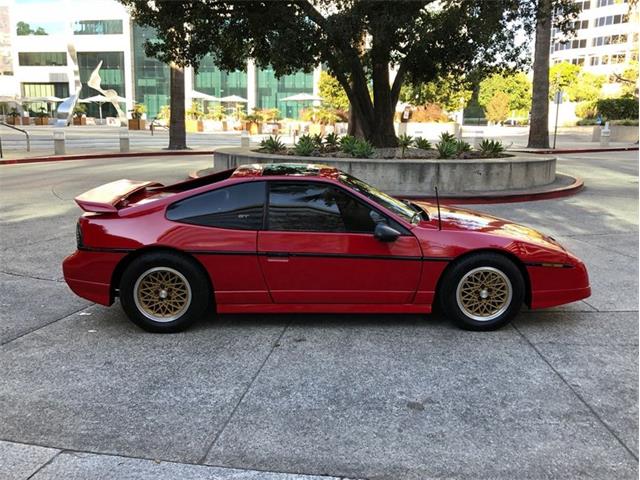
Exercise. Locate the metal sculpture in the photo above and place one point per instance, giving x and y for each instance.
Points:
(110, 95)
(64, 114)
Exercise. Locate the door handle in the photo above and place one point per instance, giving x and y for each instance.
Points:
(277, 256)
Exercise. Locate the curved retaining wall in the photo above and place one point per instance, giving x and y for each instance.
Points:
(418, 177)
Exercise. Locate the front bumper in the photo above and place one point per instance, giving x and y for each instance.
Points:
(552, 286)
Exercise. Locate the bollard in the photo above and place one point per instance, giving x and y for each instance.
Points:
(124, 140)
(605, 134)
(58, 142)
(244, 139)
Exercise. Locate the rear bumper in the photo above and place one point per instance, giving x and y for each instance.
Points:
(89, 274)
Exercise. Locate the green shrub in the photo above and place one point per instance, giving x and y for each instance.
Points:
(363, 149)
(618, 108)
(405, 141)
(586, 110)
(586, 121)
(491, 148)
(305, 146)
(626, 122)
(462, 147)
(422, 143)
(446, 148)
(272, 144)
(347, 144)
(332, 140)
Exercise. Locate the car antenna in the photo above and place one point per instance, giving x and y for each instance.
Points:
(438, 205)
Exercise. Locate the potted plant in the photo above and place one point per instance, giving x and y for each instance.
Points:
(14, 117)
(194, 116)
(42, 117)
(79, 114)
(136, 122)
(213, 120)
(252, 123)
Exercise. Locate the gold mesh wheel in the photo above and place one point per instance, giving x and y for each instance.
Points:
(162, 294)
(484, 293)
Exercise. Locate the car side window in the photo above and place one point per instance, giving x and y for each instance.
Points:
(316, 207)
(238, 207)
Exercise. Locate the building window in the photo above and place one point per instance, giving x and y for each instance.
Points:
(578, 61)
(213, 81)
(584, 5)
(42, 59)
(611, 20)
(152, 77)
(97, 27)
(594, 61)
(605, 3)
(40, 28)
(618, 58)
(272, 90)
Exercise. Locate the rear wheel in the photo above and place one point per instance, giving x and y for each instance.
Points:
(482, 292)
(164, 292)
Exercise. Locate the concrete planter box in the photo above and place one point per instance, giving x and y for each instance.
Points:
(428, 130)
(619, 133)
(418, 177)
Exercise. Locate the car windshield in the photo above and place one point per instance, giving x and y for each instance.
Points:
(381, 198)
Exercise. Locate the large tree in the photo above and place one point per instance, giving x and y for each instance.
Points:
(516, 86)
(548, 13)
(357, 40)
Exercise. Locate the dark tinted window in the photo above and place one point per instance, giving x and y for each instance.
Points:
(316, 207)
(238, 207)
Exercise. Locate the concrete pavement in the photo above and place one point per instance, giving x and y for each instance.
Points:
(85, 394)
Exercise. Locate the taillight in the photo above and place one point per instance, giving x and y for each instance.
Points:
(78, 235)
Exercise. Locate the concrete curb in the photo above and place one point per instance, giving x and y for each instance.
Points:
(576, 150)
(503, 197)
(98, 156)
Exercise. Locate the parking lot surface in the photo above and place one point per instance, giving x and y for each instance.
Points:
(86, 394)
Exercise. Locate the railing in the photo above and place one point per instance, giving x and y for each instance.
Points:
(19, 130)
(153, 124)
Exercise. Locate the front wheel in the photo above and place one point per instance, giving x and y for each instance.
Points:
(163, 292)
(482, 292)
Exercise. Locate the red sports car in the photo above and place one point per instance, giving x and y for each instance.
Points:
(306, 238)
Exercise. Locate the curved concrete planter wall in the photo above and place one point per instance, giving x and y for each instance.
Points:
(418, 177)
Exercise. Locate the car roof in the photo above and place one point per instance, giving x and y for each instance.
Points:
(287, 170)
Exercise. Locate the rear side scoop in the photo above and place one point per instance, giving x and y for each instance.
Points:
(105, 198)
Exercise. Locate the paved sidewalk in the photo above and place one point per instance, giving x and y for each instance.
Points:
(84, 394)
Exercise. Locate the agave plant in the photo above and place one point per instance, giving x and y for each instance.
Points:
(305, 146)
(272, 144)
(317, 140)
(422, 143)
(447, 137)
(446, 149)
(331, 140)
(462, 147)
(405, 141)
(347, 144)
(363, 149)
(491, 148)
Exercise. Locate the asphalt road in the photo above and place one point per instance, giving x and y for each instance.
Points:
(85, 394)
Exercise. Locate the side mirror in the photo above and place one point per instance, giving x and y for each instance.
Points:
(385, 233)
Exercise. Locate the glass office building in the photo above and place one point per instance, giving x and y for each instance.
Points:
(151, 77)
(213, 81)
(272, 90)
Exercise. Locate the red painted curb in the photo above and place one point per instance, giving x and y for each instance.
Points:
(566, 191)
(577, 150)
(95, 156)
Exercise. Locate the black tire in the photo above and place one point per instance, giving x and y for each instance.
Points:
(187, 293)
(494, 306)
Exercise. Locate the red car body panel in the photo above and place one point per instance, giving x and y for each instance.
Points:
(275, 271)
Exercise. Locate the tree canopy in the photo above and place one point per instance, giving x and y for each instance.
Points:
(516, 86)
(332, 93)
(449, 93)
(358, 41)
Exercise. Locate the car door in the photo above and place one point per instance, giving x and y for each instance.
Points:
(318, 247)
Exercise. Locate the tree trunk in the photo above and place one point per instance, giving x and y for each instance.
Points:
(177, 131)
(539, 123)
(384, 134)
(355, 126)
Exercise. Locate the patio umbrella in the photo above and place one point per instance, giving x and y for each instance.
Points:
(301, 97)
(204, 96)
(9, 99)
(233, 99)
(100, 99)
